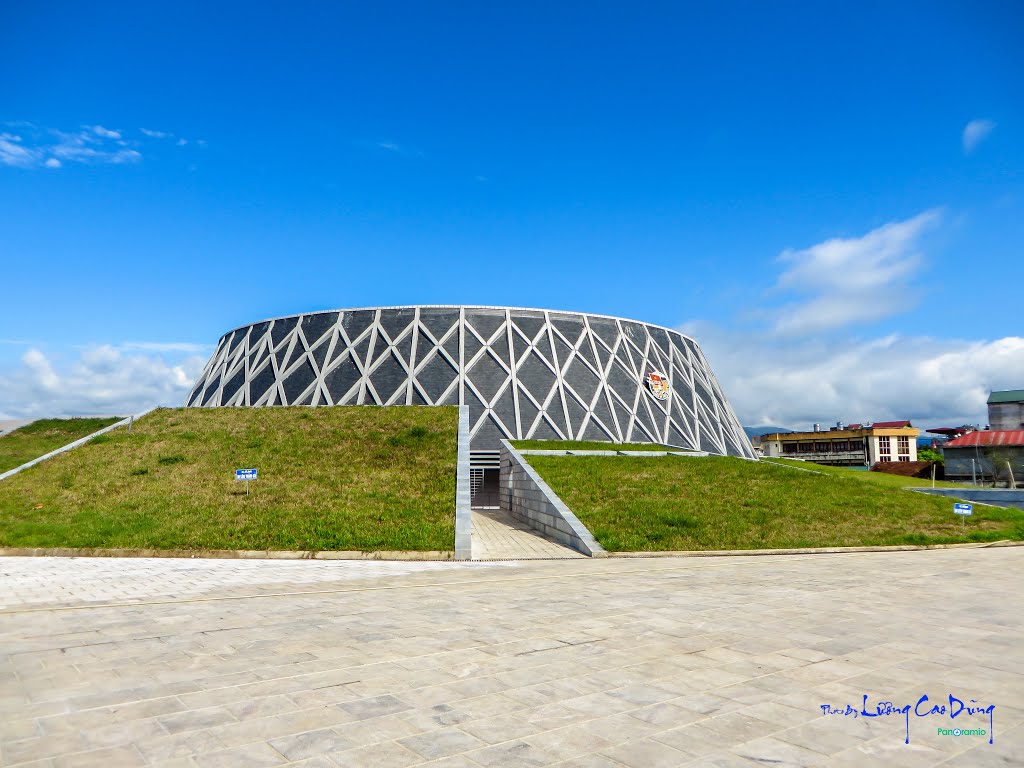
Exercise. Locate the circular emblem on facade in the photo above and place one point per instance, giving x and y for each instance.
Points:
(657, 382)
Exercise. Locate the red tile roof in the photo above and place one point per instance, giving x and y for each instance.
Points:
(988, 437)
(891, 424)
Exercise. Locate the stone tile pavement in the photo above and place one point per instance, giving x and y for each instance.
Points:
(600, 663)
(90, 580)
(499, 536)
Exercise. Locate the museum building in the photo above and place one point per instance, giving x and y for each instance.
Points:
(524, 373)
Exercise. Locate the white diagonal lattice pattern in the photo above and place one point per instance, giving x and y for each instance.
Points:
(523, 373)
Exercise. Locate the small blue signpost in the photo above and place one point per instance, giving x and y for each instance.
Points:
(247, 475)
(963, 510)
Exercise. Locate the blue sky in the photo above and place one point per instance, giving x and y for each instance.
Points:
(826, 199)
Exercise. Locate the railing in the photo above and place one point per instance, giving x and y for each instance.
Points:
(848, 456)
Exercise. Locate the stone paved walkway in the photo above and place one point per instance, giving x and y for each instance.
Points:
(39, 581)
(499, 536)
(580, 663)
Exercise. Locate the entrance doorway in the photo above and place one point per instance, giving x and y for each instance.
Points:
(484, 476)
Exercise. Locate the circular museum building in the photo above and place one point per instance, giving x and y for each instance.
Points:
(524, 373)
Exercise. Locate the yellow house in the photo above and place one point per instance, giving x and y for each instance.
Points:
(846, 445)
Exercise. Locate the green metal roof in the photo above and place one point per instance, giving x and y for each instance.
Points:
(1009, 396)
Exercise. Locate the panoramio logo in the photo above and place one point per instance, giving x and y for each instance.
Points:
(962, 732)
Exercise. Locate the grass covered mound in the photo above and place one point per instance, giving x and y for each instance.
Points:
(40, 437)
(881, 478)
(672, 503)
(341, 478)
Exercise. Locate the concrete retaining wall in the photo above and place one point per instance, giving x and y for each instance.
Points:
(463, 502)
(525, 496)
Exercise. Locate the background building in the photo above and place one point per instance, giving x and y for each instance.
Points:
(1006, 409)
(984, 456)
(524, 373)
(847, 445)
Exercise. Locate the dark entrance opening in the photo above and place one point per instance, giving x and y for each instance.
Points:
(484, 477)
(486, 495)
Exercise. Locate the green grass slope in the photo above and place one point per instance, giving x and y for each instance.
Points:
(672, 503)
(45, 435)
(880, 478)
(343, 478)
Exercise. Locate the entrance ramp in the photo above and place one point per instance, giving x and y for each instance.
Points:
(497, 535)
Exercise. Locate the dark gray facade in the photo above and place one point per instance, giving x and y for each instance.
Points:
(986, 464)
(524, 373)
(1006, 410)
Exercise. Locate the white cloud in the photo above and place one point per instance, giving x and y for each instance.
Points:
(166, 346)
(178, 141)
(789, 376)
(932, 382)
(40, 370)
(13, 153)
(91, 146)
(37, 147)
(102, 132)
(849, 280)
(103, 379)
(976, 132)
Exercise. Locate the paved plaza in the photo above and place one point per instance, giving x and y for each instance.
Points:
(718, 661)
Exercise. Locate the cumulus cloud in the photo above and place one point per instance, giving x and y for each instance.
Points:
(932, 382)
(791, 374)
(103, 379)
(40, 370)
(843, 281)
(976, 132)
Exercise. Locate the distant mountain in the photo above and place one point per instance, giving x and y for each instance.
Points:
(766, 430)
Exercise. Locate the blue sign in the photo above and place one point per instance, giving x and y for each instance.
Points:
(245, 474)
(963, 509)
